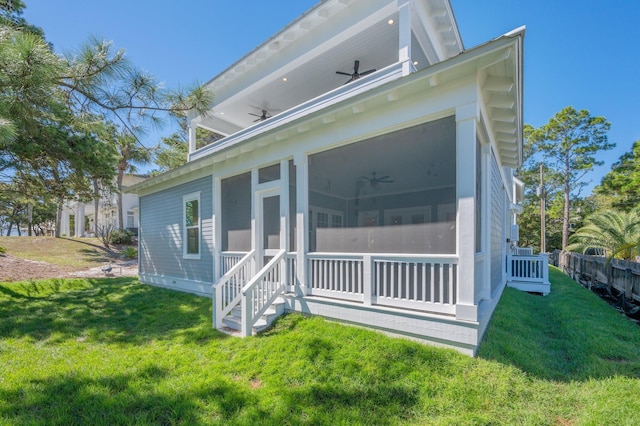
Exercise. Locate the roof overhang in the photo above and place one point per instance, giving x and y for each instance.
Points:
(497, 66)
(300, 61)
(501, 91)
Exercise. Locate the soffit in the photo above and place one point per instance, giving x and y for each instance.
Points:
(308, 52)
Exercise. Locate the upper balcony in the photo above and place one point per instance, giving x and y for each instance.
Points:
(337, 49)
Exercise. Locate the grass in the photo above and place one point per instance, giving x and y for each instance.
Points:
(118, 352)
(66, 252)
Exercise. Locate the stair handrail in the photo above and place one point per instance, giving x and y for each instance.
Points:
(219, 312)
(249, 314)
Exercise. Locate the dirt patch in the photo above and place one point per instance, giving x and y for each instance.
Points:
(16, 269)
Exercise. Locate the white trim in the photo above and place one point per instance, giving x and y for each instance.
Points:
(194, 196)
(200, 288)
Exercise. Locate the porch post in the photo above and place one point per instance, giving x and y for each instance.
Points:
(404, 30)
(192, 137)
(216, 221)
(466, 117)
(302, 223)
(486, 221)
(284, 205)
(255, 242)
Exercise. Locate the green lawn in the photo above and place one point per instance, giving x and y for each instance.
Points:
(66, 252)
(118, 352)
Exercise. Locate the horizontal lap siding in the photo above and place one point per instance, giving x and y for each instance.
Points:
(161, 233)
(497, 220)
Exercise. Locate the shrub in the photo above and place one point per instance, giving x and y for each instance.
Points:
(2, 250)
(130, 253)
(105, 233)
(121, 236)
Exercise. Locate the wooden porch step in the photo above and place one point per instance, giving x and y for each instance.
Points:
(233, 321)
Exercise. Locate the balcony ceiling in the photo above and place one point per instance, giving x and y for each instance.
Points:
(308, 53)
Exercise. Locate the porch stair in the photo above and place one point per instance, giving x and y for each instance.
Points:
(233, 321)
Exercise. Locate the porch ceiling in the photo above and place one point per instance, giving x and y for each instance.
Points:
(307, 53)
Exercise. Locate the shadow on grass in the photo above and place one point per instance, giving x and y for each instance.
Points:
(569, 335)
(104, 310)
(93, 255)
(125, 398)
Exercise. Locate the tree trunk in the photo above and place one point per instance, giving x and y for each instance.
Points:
(59, 216)
(119, 183)
(30, 218)
(567, 191)
(96, 206)
(9, 228)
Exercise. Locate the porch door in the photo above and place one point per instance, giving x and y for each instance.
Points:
(269, 227)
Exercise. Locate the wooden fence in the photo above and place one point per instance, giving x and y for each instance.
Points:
(623, 276)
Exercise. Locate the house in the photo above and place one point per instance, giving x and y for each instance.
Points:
(362, 170)
(78, 218)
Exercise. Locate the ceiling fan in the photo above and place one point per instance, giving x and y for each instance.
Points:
(265, 115)
(374, 180)
(355, 75)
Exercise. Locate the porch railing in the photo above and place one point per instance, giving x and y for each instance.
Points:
(263, 289)
(523, 251)
(229, 258)
(530, 269)
(423, 283)
(227, 292)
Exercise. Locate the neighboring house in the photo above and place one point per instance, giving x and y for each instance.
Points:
(78, 219)
(366, 174)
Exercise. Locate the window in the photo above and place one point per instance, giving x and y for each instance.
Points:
(191, 204)
(130, 219)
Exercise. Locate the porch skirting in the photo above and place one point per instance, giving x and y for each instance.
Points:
(434, 329)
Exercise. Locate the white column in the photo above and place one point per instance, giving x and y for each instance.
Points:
(486, 221)
(80, 220)
(284, 205)
(192, 137)
(404, 33)
(216, 221)
(466, 116)
(302, 222)
(255, 238)
(65, 228)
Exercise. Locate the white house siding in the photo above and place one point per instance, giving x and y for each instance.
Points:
(497, 220)
(161, 239)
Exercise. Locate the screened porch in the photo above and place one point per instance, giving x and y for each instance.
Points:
(380, 222)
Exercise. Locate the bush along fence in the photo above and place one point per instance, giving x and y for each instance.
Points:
(615, 280)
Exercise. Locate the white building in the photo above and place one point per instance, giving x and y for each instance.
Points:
(365, 174)
(78, 219)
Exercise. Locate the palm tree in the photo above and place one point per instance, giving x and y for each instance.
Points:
(615, 231)
(130, 152)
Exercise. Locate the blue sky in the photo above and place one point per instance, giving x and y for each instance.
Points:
(577, 52)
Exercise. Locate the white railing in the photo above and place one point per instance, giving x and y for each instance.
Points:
(523, 251)
(336, 276)
(530, 269)
(291, 270)
(429, 284)
(227, 292)
(423, 283)
(228, 259)
(263, 289)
